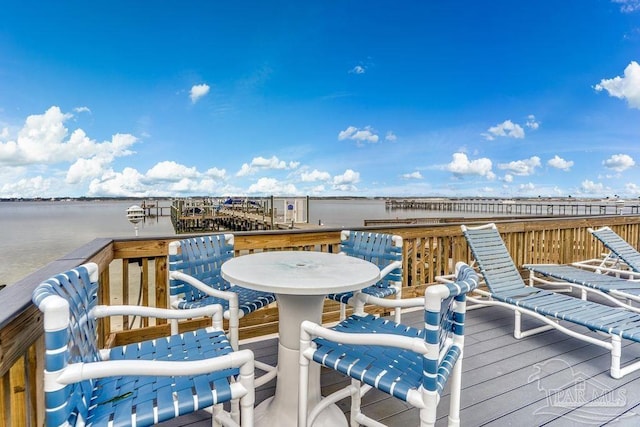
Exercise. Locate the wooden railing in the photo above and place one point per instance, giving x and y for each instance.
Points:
(135, 270)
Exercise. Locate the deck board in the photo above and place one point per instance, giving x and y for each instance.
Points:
(505, 381)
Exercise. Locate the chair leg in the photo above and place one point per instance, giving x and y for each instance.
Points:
(215, 421)
(174, 326)
(455, 387)
(343, 311)
(247, 379)
(356, 403)
(398, 311)
(234, 322)
(303, 383)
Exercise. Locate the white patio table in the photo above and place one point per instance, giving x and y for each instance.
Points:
(300, 281)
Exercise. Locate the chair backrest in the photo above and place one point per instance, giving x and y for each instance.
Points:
(493, 259)
(444, 326)
(199, 257)
(378, 248)
(70, 331)
(618, 246)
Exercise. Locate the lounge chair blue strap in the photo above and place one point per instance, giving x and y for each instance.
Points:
(408, 363)
(619, 247)
(507, 288)
(139, 384)
(384, 250)
(615, 288)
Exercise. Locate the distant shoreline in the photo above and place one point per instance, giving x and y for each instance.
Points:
(471, 198)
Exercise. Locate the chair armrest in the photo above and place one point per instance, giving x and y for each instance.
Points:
(214, 310)
(389, 303)
(83, 371)
(308, 330)
(446, 278)
(389, 268)
(178, 275)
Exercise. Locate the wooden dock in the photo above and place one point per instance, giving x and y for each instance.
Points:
(526, 206)
(209, 214)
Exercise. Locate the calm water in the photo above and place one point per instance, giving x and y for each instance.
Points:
(36, 233)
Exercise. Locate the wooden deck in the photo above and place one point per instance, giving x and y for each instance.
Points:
(547, 379)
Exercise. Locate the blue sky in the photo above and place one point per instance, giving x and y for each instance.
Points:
(320, 98)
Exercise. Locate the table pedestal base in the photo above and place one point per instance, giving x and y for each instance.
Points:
(281, 410)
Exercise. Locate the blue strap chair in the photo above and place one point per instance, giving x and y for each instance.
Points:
(410, 364)
(622, 255)
(384, 250)
(195, 281)
(507, 288)
(138, 384)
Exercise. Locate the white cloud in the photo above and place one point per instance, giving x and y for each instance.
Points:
(632, 188)
(460, 165)
(560, 163)
(412, 175)
(198, 91)
(318, 190)
(82, 110)
(271, 186)
(127, 183)
(521, 167)
(591, 187)
(359, 135)
(216, 173)
(508, 177)
(85, 169)
(532, 123)
(505, 129)
(627, 87)
(390, 136)
(26, 187)
(346, 181)
(44, 140)
(315, 175)
(358, 69)
(628, 6)
(525, 188)
(262, 163)
(619, 162)
(171, 171)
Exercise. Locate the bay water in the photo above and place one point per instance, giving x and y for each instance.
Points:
(34, 233)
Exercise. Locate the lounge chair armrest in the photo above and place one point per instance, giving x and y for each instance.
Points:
(83, 371)
(308, 330)
(178, 275)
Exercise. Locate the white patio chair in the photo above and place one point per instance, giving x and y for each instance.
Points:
(410, 364)
(384, 250)
(138, 384)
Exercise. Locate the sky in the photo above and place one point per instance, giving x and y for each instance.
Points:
(320, 98)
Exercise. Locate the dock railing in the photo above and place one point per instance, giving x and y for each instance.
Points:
(135, 271)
